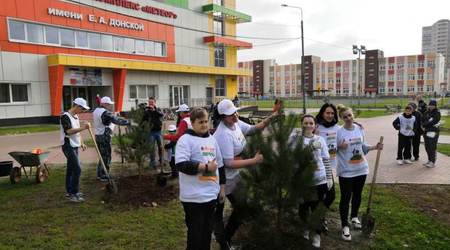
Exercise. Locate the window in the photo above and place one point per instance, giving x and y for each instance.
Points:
(119, 43)
(159, 49)
(140, 46)
(95, 41)
(399, 90)
(430, 64)
(391, 90)
(82, 39)
(51, 35)
(67, 37)
(400, 77)
(218, 2)
(35, 33)
(220, 86)
(420, 77)
(411, 77)
(16, 30)
(382, 77)
(400, 66)
(142, 91)
(391, 77)
(128, 45)
(420, 88)
(411, 65)
(107, 42)
(218, 26)
(410, 88)
(149, 48)
(420, 64)
(11, 93)
(391, 66)
(219, 56)
(381, 90)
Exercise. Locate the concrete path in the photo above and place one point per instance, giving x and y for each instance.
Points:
(389, 171)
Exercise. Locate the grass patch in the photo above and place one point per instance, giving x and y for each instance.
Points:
(445, 129)
(27, 129)
(443, 148)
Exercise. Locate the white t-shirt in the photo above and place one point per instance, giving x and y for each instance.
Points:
(330, 136)
(198, 188)
(232, 142)
(351, 161)
(407, 125)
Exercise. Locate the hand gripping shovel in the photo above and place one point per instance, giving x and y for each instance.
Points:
(111, 186)
(368, 221)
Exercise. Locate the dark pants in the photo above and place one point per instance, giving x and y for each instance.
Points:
(430, 146)
(104, 146)
(225, 233)
(351, 188)
(416, 145)
(330, 195)
(73, 168)
(172, 167)
(155, 136)
(307, 208)
(198, 218)
(404, 147)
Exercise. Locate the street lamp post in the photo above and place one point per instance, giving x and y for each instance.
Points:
(303, 54)
(359, 50)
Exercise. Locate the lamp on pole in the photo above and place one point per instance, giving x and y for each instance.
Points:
(303, 54)
(359, 50)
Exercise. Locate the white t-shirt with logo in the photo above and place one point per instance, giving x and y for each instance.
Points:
(198, 188)
(407, 125)
(232, 142)
(330, 137)
(351, 161)
(320, 151)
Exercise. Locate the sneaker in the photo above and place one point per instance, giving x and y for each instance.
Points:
(316, 240)
(346, 236)
(306, 234)
(325, 226)
(104, 179)
(407, 161)
(76, 198)
(426, 164)
(356, 223)
(416, 159)
(78, 194)
(399, 162)
(430, 165)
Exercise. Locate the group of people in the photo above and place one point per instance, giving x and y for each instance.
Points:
(415, 121)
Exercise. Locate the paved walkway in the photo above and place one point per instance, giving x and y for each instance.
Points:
(389, 171)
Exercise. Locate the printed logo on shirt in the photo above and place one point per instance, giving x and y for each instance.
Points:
(357, 156)
(208, 151)
(210, 176)
(331, 144)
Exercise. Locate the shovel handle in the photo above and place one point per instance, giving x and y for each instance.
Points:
(98, 152)
(374, 177)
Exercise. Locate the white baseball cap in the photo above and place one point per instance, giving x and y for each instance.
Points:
(172, 128)
(81, 102)
(226, 107)
(106, 100)
(183, 108)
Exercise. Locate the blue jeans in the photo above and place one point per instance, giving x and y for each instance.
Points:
(73, 168)
(155, 136)
(104, 146)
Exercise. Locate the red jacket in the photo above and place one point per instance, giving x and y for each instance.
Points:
(182, 127)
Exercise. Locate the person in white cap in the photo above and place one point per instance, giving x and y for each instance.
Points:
(104, 121)
(170, 150)
(183, 125)
(71, 140)
(230, 136)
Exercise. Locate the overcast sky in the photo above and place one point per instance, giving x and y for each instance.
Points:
(394, 26)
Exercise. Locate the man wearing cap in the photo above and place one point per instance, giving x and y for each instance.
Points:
(104, 121)
(431, 122)
(71, 140)
(185, 123)
(154, 116)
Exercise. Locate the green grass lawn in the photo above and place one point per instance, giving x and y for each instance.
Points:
(39, 217)
(446, 125)
(443, 148)
(28, 129)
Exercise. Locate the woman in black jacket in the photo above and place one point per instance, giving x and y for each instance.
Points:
(430, 122)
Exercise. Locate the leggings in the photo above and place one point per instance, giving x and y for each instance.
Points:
(351, 188)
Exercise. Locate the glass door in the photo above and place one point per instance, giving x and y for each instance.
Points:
(176, 98)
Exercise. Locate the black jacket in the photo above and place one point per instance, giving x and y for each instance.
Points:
(154, 117)
(418, 130)
(430, 119)
(422, 107)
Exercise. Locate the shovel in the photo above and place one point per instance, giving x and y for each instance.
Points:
(111, 186)
(368, 221)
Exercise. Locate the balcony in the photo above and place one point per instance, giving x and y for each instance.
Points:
(227, 42)
(237, 16)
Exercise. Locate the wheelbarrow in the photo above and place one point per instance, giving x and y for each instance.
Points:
(30, 160)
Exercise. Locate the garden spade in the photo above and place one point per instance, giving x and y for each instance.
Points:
(368, 221)
(111, 186)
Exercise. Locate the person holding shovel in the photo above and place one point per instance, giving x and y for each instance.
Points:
(230, 136)
(201, 178)
(104, 122)
(352, 168)
(71, 141)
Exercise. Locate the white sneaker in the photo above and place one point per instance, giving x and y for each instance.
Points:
(306, 234)
(407, 161)
(316, 240)
(426, 164)
(430, 165)
(346, 234)
(399, 162)
(356, 223)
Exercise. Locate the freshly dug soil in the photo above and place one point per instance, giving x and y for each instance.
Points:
(144, 192)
